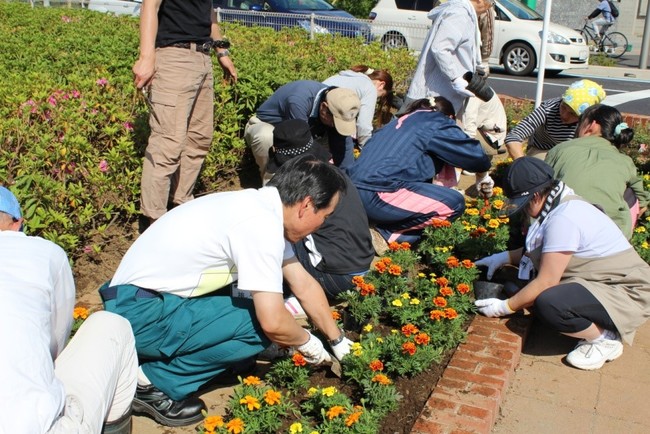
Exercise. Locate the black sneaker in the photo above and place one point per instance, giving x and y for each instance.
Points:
(164, 410)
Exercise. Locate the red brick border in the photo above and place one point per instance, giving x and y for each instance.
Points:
(470, 391)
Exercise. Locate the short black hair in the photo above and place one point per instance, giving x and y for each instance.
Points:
(304, 176)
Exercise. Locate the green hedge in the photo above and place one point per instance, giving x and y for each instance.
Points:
(73, 127)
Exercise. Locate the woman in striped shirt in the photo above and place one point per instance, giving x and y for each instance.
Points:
(554, 121)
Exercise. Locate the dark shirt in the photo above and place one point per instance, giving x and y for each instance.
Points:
(184, 21)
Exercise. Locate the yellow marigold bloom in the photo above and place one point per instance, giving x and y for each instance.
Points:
(380, 340)
(314, 432)
(422, 275)
(352, 419)
(432, 275)
(646, 177)
(394, 331)
(638, 230)
(414, 301)
(647, 219)
(397, 302)
(80, 313)
(312, 391)
(504, 220)
(367, 328)
(250, 402)
(644, 245)
(381, 379)
(487, 216)
(295, 428)
(498, 204)
(335, 411)
(497, 191)
(212, 422)
(235, 426)
(406, 295)
(493, 223)
(252, 380)
(272, 397)
(356, 346)
(329, 391)
(355, 153)
(472, 211)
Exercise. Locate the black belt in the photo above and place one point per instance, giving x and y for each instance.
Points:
(201, 48)
(110, 293)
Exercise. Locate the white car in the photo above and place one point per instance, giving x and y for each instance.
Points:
(517, 35)
(116, 7)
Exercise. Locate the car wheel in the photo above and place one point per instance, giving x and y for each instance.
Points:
(519, 59)
(393, 40)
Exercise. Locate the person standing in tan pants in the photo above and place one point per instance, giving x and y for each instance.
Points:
(175, 72)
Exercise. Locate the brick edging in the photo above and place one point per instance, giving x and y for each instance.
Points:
(472, 387)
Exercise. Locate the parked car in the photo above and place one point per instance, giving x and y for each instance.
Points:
(517, 35)
(293, 13)
(116, 7)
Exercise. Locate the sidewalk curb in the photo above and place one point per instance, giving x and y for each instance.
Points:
(472, 387)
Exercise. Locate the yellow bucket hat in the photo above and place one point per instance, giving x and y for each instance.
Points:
(582, 94)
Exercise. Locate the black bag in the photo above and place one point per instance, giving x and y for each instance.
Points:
(613, 9)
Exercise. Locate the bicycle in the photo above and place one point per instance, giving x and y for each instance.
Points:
(612, 44)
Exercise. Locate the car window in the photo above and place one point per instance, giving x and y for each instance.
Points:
(425, 5)
(500, 15)
(520, 10)
(405, 4)
(312, 5)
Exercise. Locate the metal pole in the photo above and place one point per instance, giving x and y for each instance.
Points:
(643, 60)
(542, 53)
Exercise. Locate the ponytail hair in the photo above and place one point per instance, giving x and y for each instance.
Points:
(383, 113)
(433, 103)
(612, 127)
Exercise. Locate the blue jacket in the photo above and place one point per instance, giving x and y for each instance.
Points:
(414, 148)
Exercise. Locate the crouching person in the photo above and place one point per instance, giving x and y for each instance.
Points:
(48, 387)
(202, 287)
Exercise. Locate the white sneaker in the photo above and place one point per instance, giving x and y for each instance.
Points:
(593, 355)
(293, 305)
(378, 242)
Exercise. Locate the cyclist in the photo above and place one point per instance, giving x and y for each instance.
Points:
(605, 21)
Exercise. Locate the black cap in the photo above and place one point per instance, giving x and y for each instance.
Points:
(290, 139)
(525, 177)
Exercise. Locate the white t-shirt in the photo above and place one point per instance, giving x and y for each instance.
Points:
(579, 227)
(37, 297)
(208, 243)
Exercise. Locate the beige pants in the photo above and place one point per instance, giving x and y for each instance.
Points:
(182, 96)
(259, 137)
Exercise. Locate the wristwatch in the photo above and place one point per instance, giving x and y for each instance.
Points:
(224, 53)
(338, 340)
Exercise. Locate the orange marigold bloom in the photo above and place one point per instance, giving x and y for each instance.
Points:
(353, 418)
(395, 270)
(272, 397)
(452, 262)
(235, 426)
(367, 289)
(376, 365)
(212, 422)
(467, 263)
(250, 402)
(422, 339)
(80, 313)
(446, 291)
(298, 359)
(462, 288)
(335, 411)
(440, 301)
(409, 329)
(252, 380)
(386, 260)
(439, 223)
(394, 246)
(442, 281)
(357, 280)
(381, 379)
(450, 313)
(409, 347)
(380, 266)
(335, 315)
(436, 315)
(405, 245)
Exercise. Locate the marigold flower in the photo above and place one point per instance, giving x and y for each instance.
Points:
(272, 397)
(353, 418)
(452, 262)
(409, 347)
(446, 291)
(235, 426)
(395, 270)
(380, 267)
(439, 223)
(493, 223)
(406, 295)
(335, 411)
(442, 281)
(409, 329)
(498, 204)
(250, 402)
(405, 245)
(397, 302)
(298, 360)
(381, 379)
(436, 315)
(422, 275)
(212, 422)
(471, 211)
(497, 191)
(329, 391)
(356, 346)
(639, 230)
(467, 263)
(355, 153)
(335, 315)
(252, 380)
(357, 280)
(380, 340)
(312, 391)
(386, 260)
(440, 301)
(422, 339)
(393, 246)
(376, 365)
(504, 219)
(414, 301)
(487, 216)
(645, 245)
(450, 313)
(80, 313)
(295, 428)
(462, 288)
(367, 289)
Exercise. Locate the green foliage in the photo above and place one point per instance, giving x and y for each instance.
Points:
(291, 374)
(358, 8)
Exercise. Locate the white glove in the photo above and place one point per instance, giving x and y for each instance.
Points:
(485, 185)
(493, 307)
(460, 84)
(314, 351)
(72, 420)
(493, 262)
(342, 348)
